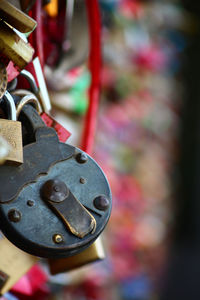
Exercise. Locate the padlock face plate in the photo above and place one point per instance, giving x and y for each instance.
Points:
(37, 224)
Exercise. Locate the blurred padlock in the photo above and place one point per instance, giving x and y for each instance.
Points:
(14, 263)
(13, 47)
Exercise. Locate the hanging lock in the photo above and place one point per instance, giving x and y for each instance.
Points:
(14, 47)
(58, 201)
(11, 131)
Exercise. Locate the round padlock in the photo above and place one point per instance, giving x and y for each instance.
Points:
(58, 201)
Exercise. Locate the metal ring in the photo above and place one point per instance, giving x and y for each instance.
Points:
(29, 98)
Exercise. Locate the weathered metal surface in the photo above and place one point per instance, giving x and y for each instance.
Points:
(39, 222)
(75, 216)
(41, 230)
(38, 158)
(14, 47)
(54, 190)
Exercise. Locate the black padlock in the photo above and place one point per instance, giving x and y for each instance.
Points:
(58, 201)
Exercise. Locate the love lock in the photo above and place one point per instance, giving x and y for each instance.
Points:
(58, 201)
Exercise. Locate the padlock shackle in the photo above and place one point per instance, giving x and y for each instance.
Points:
(12, 108)
(30, 114)
(31, 80)
(27, 98)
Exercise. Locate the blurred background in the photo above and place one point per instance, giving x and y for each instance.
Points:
(147, 144)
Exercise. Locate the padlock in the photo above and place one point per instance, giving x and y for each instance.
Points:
(58, 201)
(14, 47)
(14, 263)
(11, 131)
(15, 17)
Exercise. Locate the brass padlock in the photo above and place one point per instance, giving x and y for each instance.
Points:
(14, 263)
(11, 131)
(14, 47)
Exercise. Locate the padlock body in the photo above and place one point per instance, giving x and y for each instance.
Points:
(37, 224)
(11, 131)
(58, 201)
(14, 263)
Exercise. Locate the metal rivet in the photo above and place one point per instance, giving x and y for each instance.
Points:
(30, 202)
(82, 180)
(81, 158)
(54, 190)
(57, 238)
(14, 215)
(101, 203)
